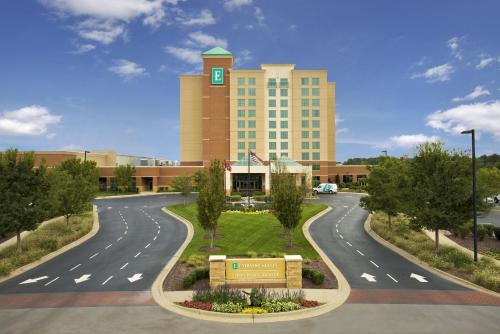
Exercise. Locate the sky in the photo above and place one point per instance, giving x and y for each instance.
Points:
(104, 75)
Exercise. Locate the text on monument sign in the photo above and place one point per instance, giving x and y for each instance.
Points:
(255, 269)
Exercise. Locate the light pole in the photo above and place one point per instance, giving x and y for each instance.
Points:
(474, 229)
(385, 152)
(85, 156)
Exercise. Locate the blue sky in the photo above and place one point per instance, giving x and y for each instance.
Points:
(104, 74)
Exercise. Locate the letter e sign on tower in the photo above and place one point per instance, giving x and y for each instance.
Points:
(217, 76)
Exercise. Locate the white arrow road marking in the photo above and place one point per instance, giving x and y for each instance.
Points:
(125, 232)
(154, 238)
(418, 278)
(90, 258)
(108, 246)
(120, 238)
(392, 278)
(368, 277)
(134, 278)
(376, 265)
(341, 237)
(148, 245)
(83, 278)
(360, 253)
(337, 230)
(34, 280)
(106, 281)
(126, 264)
(347, 242)
(75, 267)
(136, 255)
(55, 279)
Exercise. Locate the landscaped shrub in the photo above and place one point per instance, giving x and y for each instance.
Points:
(257, 297)
(481, 232)
(229, 307)
(197, 305)
(489, 229)
(273, 306)
(235, 198)
(462, 231)
(196, 260)
(487, 274)
(496, 231)
(254, 310)
(196, 275)
(262, 198)
(220, 295)
(317, 277)
(308, 303)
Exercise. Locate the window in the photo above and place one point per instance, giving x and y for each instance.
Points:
(251, 102)
(305, 103)
(272, 103)
(241, 113)
(272, 92)
(305, 124)
(272, 134)
(315, 124)
(241, 134)
(272, 156)
(241, 124)
(315, 81)
(272, 113)
(251, 134)
(251, 113)
(251, 145)
(316, 167)
(315, 156)
(241, 102)
(315, 145)
(347, 178)
(284, 124)
(305, 145)
(315, 92)
(283, 92)
(305, 155)
(251, 91)
(305, 134)
(315, 113)
(284, 154)
(305, 113)
(315, 102)
(315, 134)
(284, 113)
(241, 155)
(272, 124)
(316, 181)
(241, 145)
(304, 92)
(251, 81)
(284, 82)
(284, 145)
(284, 135)
(251, 124)
(284, 103)
(241, 81)
(271, 82)
(272, 145)
(241, 91)
(304, 81)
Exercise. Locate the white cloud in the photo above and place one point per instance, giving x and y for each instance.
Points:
(28, 121)
(51, 135)
(477, 92)
(484, 117)
(412, 140)
(236, 4)
(292, 27)
(204, 18)
(71, 148)
(243, 57)
(202, 40)
(454, 46)
(127, 69)
(338, 119)
(187, 55)
(435, 74)
(342, 130)
(485, 61)
(104, 32)
(259, 15)
(83, 48)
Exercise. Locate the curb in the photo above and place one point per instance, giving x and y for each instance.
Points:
(352, 192)
(418, 262)
(137, 195)
(162, 299)
(50, 256)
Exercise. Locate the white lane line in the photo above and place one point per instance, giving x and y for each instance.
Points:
(120, 238)
(126, 264)
(337, 230)
(106, 281)
(158, 232)
(155, 238)
(136, 255)
(360, 253)
(159, 227)
(341, 237)
(148, 245)
(125, 232)
(75, 267)
(108, 246)
(125, 207)
(90, 258)
(55, 279)
(376, 265)
(392, 278)
(347, 242)
(336, 225)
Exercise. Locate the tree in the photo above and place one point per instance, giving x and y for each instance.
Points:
(183, 184)
(385, 185)
(77, 183)
(211, 198)
(488, 185)
(23, 188)
(440, 193)
(286, 199)
(123, 175)
(199, 178)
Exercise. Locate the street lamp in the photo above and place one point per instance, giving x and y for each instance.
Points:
(85, 156)
(474, 229)
(385, 152)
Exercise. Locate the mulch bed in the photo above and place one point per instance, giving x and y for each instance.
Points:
(468, 242)
(330, 281)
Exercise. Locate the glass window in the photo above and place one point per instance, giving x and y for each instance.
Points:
(315, 156)
(305, 145)
(272, 113)
(305, 124)
(315, 81)
(241, 124)
(283, 92)
(316, 181)
(251, 134)
(315, 134)
(304, 81)
(304, 92)
(315, 124)
(251, 91)
(251, 113)
(272, 92)
(315, 145)
(284, 145)
(241, 134)
(315, 92)
(272, 145)
(251, 145)
(315, 113)
(305, 103)
(272, 134)
(251, 103)
(347, 178)
(241, 155)
(241, 81)
(251, 81)
(241, 145)
(272, 103)
(272, 156)
(241, 113)
(241, 91)
(284, 82)
(284, 113)
(305, 113)
(271, 82)
(316, 167)
(305, 134)
(272, 124)
(284, 154)
(284, 103)
(241, 102)
(315, 102)
(251, 124)
(284, 124)
(305, 155)
(284, 135)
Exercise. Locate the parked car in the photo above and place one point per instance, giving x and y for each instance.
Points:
(497, 198)
(326, 188)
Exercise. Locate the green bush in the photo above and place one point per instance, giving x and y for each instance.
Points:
(220, 295)
(257, 297)
(263, 198)
(227, 307)
(235, 197)
(462, 231)
(273, 306)
(196, 275)
(481, 232)
(489, 229)
(496, 231)
(196, 260)
(317, 277)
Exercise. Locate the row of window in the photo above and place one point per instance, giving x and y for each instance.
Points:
(313, 134)
(283, 134)
(305, 91)
(312, 102)
(251, 145)
(283, 124)
(250, 113)
(313, 124)
(249, 134)
(283, 103)
(314, 113)
(273, 156)
(272, 81)
(272, 103)
(314, 145)
(283, 113)
(251, 124)
(249, 103)
(313, 156)
(251, 92)
(242, 81)
(305, 81)
(283, 92)
(283, 145)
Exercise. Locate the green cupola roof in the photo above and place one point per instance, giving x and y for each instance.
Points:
(217, 51)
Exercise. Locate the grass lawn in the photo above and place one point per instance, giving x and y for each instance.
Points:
(485, 273)
(244, 233)
(44, 241)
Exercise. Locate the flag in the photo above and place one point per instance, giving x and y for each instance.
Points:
(255, 158)
(227, 166)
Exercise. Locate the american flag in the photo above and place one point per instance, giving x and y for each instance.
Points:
(255, 158)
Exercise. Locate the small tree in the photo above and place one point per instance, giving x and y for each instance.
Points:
(211, 198)
(287, 200)
(123, 175)
(488, 185)
(385, 185)
(440, 193)
(183, 184)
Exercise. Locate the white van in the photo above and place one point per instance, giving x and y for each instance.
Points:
(326, 188)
